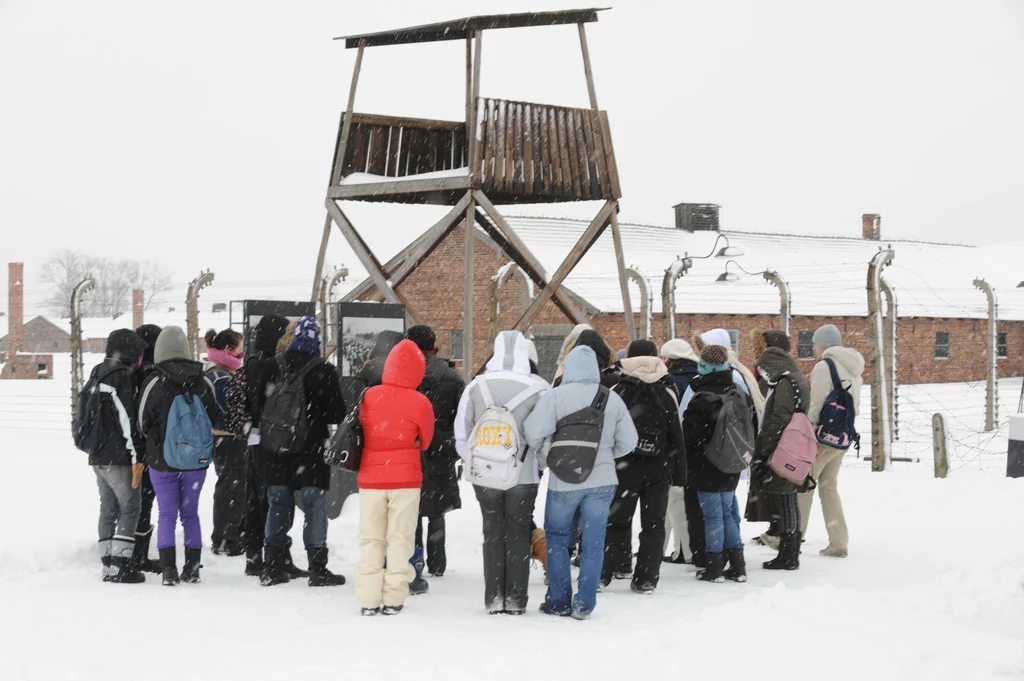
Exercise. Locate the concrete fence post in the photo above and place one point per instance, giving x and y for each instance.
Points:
(939, 445)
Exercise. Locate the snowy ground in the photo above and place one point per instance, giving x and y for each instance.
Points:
(933, 588)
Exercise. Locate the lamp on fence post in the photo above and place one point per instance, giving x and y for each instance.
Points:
(772, 277)
(679, 268)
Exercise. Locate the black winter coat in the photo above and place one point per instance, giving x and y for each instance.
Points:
(155, 403)
(655, 412)
(113, 449)
(443, 386)
(699, 428)
(326, 406)
(789, 395)
(683, 374)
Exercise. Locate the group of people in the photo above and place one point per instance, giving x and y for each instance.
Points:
(667, 430)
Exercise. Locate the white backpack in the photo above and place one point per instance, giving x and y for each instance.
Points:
(495, 445)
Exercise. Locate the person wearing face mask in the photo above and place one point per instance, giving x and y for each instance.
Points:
(224, 360)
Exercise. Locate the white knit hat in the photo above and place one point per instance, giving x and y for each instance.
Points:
(719, 337)
(677, 348)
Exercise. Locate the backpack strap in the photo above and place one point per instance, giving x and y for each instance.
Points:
(485, 393)
(600, 399)
(283, 365)
(527, 392)
(837, 384)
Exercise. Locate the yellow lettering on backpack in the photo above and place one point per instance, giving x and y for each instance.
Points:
(493, 436)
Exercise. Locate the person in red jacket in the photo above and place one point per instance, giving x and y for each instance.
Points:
(398, 424)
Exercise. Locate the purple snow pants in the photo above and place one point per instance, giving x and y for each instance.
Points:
(178, 493)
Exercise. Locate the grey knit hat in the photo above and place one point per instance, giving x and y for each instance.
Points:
(828, 336)
(171, 344)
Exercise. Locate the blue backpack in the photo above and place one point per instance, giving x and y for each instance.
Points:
(188, 439)
(836, 428)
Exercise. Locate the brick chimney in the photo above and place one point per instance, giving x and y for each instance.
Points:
(15, 308)
(138, 308)
(872, 226)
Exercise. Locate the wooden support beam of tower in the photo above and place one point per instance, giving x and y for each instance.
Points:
(516, 249)
(586, 66)
(620, 264)
(586, 240)
(369, 261)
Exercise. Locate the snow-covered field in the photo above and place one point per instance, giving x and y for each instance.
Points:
(933, 588)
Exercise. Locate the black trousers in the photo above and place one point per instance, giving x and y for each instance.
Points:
(643, 480)
(437, 560)
(507, 537)
(254, 521)
(146, 512)
(695, 524)
(229, 492)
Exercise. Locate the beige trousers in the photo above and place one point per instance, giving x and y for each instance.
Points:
(387, 531)
(826, 472)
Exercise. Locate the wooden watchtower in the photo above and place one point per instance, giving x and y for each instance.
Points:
(504, 152)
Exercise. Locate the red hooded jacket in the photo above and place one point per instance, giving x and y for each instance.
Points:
(398, 423)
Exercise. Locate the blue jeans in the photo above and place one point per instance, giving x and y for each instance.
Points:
(593, 505)
(721, 520)
(280, 499)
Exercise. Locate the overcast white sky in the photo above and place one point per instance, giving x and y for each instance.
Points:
(200, 133)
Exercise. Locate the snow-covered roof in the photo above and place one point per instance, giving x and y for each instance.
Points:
(826, 275)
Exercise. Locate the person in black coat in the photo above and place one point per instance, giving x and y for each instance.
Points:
(306, 471)
(116, 461)
(657, 463)
(715, 489)
(144, 531)
(443, 386)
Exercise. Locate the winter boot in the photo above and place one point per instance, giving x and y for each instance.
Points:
(737, 571)
(190, 571)
(273, 569)
(642, 588)
(789, 553)
(714, 572)
(106, 567)
(418, 586)
(319, 575)
(140, 554)
(123, 571)
(391, 610)
(291, 568)
(169, 566)
(370, 612)
(832, 552)
(254, 562)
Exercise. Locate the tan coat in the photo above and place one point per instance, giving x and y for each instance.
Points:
(849, 365)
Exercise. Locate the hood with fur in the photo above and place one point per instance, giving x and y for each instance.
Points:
(646, 369)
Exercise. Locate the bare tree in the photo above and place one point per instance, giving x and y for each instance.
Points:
(115, 280)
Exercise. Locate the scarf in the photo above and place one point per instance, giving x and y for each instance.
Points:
(225, 359)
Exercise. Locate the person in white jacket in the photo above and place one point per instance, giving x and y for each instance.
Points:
(507, 514)
(828, 344)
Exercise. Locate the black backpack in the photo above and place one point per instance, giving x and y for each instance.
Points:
(346, 448)
(284, 424)
(650, 416)
(573, 452)
(732, 444)
(88, 429)
(836, 427)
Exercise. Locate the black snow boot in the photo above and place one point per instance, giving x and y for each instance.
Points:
(190, 571)
(254, 562)
(123, 571)
(169, 566)
(290, 567)
(737, 571)
(140, 554)
(106, 567)
(273, 569)
(319, 575)
(789, 553)
(714, 571)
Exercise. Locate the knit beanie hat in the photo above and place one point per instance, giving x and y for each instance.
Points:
(642, 348)
(148, 333)
(828, 336)
(677, 348)
(777, 339)
(423, 336)
(307, 337)
(172, 344)
(269, 331)
(713, 358)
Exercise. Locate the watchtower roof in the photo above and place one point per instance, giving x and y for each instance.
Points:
(456, 29)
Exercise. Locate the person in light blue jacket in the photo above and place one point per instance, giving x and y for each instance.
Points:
(593, 497)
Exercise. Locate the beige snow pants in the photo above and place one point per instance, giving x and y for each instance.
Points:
(387, 531)
(826, 472)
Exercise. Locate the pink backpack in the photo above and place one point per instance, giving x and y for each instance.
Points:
(794, 458)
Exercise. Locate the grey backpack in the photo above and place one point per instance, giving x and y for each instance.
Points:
(732, 445)
(573, 452)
